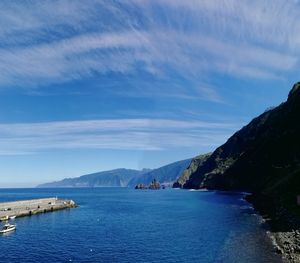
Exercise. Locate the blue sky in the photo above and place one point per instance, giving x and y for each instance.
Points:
(135, 83)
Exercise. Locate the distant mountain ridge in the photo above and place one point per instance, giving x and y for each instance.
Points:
(123, 177)
(166, 174)
(113, 178)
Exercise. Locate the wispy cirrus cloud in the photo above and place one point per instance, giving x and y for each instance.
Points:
(121, 52)
(57, 41)
(121, 134)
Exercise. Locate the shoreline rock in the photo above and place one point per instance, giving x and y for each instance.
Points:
(284, 227)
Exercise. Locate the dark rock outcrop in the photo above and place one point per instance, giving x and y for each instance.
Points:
(154, 185)
(140, 186)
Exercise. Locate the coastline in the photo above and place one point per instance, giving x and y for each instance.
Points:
(283, 232)
(285, 242)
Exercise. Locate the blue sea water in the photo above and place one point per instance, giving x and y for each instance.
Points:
(126, 225)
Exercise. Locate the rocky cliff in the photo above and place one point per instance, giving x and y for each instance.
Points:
(262, 158)
(195, 164)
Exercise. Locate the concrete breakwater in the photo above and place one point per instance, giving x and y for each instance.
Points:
(32, 207)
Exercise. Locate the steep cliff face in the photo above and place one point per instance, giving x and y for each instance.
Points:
(194, 165)
(263, 157)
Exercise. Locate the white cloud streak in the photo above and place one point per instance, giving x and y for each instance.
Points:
(57, 41)
(121, 134)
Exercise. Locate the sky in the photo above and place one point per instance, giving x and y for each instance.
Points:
(87, 86)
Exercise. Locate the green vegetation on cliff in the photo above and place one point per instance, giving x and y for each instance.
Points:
(194, 165)
(262, 158)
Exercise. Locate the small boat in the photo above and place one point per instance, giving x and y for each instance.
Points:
(12, 217)
(7, 228)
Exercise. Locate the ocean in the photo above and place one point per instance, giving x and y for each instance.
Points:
(126, 225)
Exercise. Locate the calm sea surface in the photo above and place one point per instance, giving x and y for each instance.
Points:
(125, 225)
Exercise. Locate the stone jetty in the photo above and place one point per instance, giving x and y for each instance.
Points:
(32, 207)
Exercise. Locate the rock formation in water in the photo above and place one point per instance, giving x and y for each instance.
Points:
(154, 185)
(141, 186)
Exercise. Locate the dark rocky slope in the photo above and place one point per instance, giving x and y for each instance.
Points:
(263, 158)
